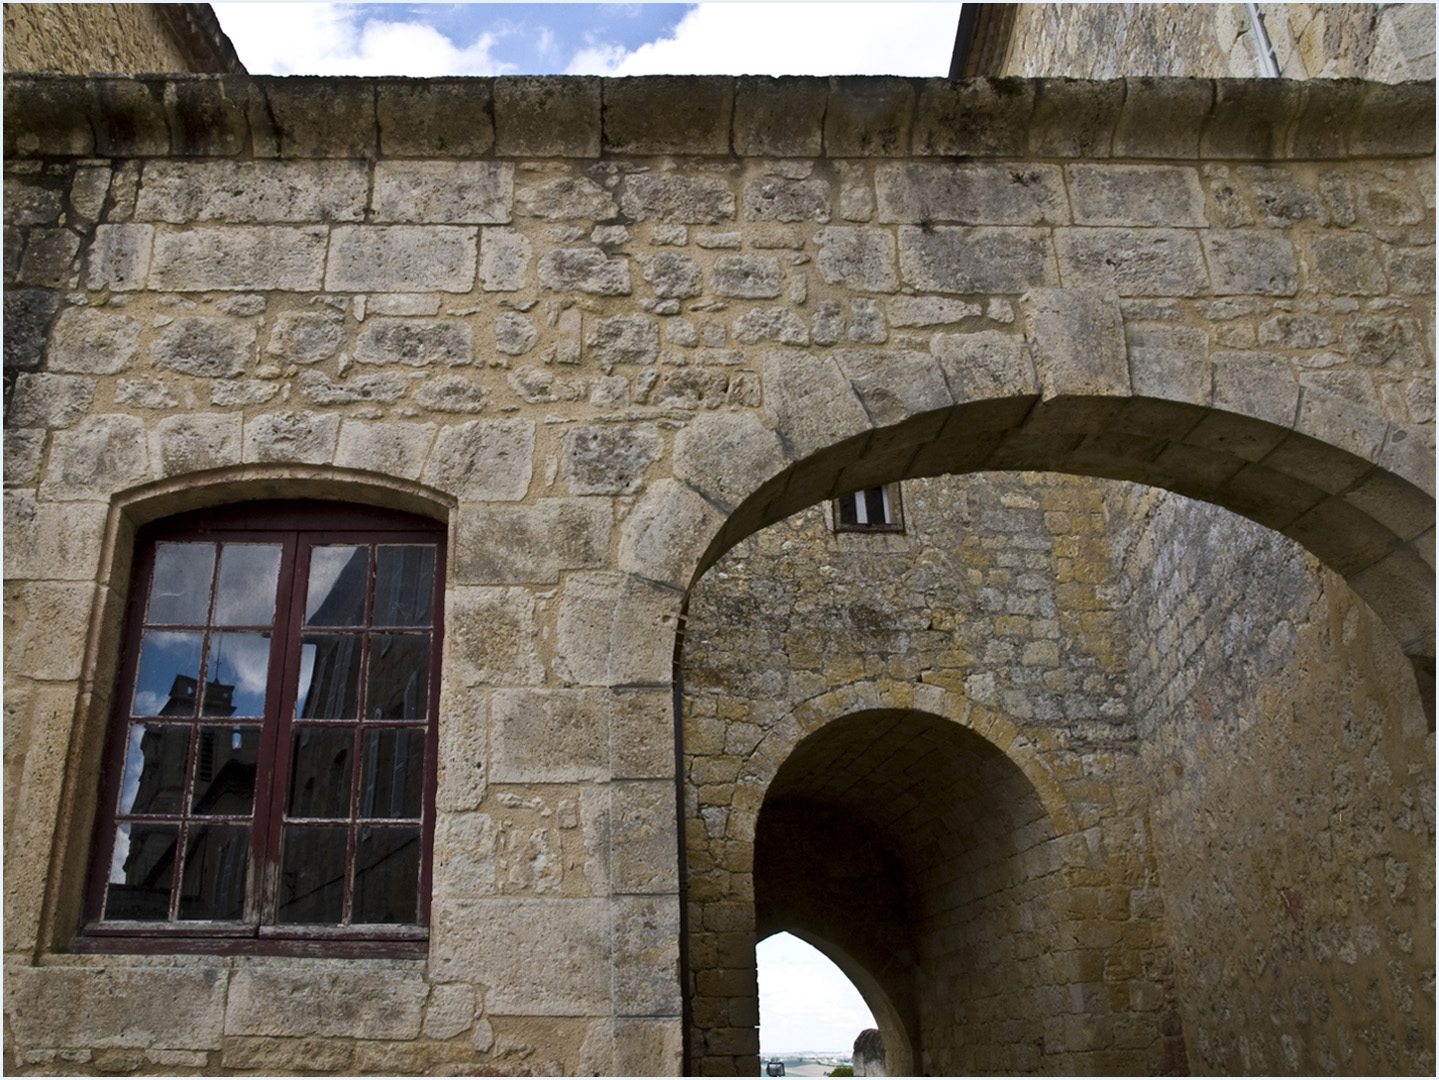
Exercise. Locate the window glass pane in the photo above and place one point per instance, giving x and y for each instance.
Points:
(848, 509)
(236, 675)
(404, 585)
(141, 870)
(180, 589)
(392, 772)
(245, 595)
(320, 772)
(387, 872)
(213, 885)
(874, 506)
(312, 875)
(155, 760)
(329, 677)
(168, 674)
(398, 687)
(225, 765)
(338, 579)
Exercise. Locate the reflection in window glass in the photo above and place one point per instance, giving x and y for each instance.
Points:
(169, 673)
(245, 595)
(225, 764)
(398, 687)
(236, 675)
(392, 773)
(155, 760)
(312, 875)
(213, 885)
(338, 579)
(180, 593)
(329, 677)
(320, 772)
(387, 867)
(404, 585)
(141, 871)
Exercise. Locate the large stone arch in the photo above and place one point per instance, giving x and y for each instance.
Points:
(1353, 489)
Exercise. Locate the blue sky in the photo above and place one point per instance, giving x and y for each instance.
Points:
(592, 39)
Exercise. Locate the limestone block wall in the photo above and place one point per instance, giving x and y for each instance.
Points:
(1291, 777)
(1383, 42)
(605, 330)
(80, 39)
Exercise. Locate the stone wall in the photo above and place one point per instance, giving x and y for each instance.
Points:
(82, 39)
(1292, 792)
(606, 337)
(1383, 42)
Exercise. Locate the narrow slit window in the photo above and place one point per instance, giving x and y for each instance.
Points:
(873, 509)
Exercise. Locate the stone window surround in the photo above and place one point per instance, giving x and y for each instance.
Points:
(314, 517)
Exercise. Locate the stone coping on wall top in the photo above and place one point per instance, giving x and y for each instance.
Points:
(584, 117)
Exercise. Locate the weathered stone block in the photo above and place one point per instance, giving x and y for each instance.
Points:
(119, 258)
(1162, 118)
(444, 192)
(771, 324)
(480, 460)
(504, 260)
(93, 342)
(1169, 362)
(673, 275)
(585, 270)
(725, 456)
(27, 323)
(415, 342)
(194, 442)
(641, 734)
(305, 337)
(292, 437)
(566, 198)
(929, 310)
(547, 117)
(52, 541)
(252, 192)
(615, 629)
(1074, 118)
(985, 364)
(116, 1007)
(970, 193)
(551, 736)
(1250, 261)
(1346, 265)
(24, 452)
(868, 117)
(49, 258)
(1136, 195)
(894, 385)
(312, 117)
(464, 861)
(209, 347)
(100, 456)
(490, 637)
(779, 117)
(1259, 385)
(45, 625)
(608, 459)
(665, 534)
(1132, 262)
(28, 203)
(239, 257)
(401, 258)
(646, 932)
(643, 858)
(972, 117)
(687, 200)
(774, 199)
(392, 448)
(811, 401)
(434, 117)
(536, 957)
(752, 277)
(649, 1047)
(507, 545)
(952, 259)
(665, 114)
(317, 388)
(334, 1004)
(857, 258)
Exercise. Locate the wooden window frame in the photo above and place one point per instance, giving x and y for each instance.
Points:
(299, 526)
(891, 497)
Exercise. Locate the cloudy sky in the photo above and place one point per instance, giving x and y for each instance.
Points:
(805, 1002)
(592, 39)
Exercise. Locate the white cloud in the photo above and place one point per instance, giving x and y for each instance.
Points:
(333, 39)
(790, 39)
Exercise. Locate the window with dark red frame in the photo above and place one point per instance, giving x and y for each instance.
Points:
(271, 765)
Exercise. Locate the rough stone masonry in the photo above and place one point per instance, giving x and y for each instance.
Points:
(609, 329)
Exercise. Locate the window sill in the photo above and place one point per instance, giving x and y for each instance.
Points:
(393, 944)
